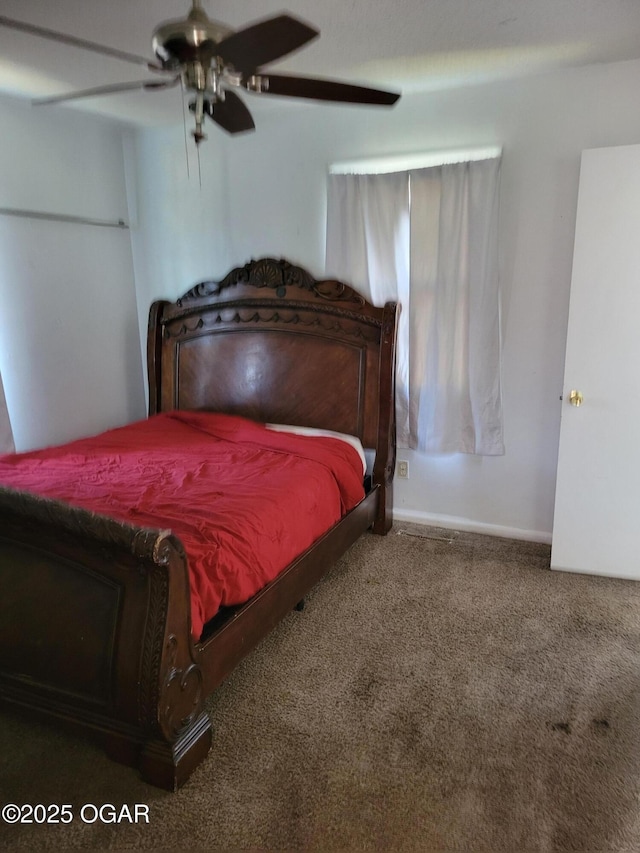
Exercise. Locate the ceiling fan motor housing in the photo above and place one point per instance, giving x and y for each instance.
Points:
(191, 39)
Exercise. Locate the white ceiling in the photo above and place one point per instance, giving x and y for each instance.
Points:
(407, 45)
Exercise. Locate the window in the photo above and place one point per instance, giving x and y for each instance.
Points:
(427, 237)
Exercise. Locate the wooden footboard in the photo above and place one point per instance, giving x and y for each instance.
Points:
(94, 629)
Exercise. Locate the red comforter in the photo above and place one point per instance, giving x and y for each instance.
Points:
(243, 500)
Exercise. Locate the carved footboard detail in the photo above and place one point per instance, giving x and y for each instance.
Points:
(95, 629)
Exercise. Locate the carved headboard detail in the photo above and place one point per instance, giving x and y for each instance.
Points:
(278, 276)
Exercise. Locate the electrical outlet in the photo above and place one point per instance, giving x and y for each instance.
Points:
(403, 469)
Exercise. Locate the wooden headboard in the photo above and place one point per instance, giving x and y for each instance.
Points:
(271, 343)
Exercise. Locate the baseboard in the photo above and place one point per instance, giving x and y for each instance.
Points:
(451, 522)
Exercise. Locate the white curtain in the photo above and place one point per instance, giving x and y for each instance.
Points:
(368, 245)
(6, 436)
(428, 239)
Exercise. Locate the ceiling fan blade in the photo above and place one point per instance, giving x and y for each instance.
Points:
(112, 89)
(264, 42)
(231, 114)
(323, 90)
(63, 38)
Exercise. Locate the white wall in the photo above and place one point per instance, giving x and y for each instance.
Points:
(69, 354)
(274, 201)
(178, 213)
(68, 351)
(543, 123)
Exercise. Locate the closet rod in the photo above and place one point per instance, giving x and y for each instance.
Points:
(62, 217)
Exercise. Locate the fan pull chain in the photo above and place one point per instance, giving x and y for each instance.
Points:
(184, 125)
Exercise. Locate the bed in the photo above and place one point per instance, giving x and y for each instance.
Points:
(96, 610)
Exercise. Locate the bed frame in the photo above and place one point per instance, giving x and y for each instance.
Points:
(95, 622)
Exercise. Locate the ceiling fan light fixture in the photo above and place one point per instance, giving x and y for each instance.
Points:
(257, 83)
(198, 77)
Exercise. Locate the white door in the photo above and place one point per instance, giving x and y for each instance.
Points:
(597, 512)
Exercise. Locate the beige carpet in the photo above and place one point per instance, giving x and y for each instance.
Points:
(436, 694)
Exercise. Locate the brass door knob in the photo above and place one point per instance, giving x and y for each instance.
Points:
(575, 398)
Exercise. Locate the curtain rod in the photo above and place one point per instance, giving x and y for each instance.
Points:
(63, 217)
(415, 160)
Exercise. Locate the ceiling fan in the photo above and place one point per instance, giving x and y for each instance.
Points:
(210, 60)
